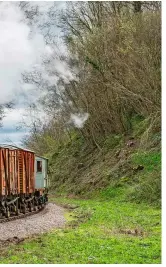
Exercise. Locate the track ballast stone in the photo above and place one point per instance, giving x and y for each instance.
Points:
(51, 217)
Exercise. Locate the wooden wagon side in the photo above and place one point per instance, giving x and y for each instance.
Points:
(9, 178)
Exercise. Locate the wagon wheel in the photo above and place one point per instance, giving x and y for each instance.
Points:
(17, 211)
(40, 206)
(7, 213)
(35, 208)
(14, 208)
(3, 212)
(35, 205)
(24, 209)
(30, 207)
(17, 208)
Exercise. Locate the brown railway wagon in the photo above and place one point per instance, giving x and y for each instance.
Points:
(17, 182)
(16, 171)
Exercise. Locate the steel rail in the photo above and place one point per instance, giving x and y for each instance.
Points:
(20, 216)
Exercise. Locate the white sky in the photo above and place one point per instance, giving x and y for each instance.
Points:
(9, 132)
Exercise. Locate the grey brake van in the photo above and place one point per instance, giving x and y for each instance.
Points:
(41, 172)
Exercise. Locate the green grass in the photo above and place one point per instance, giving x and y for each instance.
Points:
(148, 182)
(102, 229)
(97, 236)
(150, 160)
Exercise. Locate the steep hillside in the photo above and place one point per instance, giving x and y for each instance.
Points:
(103, 121)
(132, 161)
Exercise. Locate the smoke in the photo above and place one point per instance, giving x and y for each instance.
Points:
(18, 52)
(79, 119)
(22, 50)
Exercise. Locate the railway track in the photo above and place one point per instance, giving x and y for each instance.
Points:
(12, 218)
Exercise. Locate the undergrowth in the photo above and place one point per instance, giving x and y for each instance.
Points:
(84, 170)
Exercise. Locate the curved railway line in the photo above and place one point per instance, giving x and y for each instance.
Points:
(20, 216)
(31, 224)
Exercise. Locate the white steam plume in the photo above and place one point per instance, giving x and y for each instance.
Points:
(22, 49)
(18, 53)
(79, 119)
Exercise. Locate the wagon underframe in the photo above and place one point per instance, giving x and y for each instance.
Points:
(14, 205)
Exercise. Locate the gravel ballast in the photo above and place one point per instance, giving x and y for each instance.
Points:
(51, 217)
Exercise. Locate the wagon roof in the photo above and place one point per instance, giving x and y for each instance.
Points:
(41, 157)
(14, 147)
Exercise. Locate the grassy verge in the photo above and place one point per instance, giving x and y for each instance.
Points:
(106, 230)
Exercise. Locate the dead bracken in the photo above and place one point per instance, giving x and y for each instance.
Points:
(134, 232)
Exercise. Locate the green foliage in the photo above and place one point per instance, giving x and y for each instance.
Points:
(119, 85)
(95, 66)
(112, 192)
(148, 185)
(123, 181)
(104, 233)
(138, 124)
(112, 141)
(76, 168)
(151, 160)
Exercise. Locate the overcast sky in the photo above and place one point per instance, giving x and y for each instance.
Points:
(8, 133)
(19, 53)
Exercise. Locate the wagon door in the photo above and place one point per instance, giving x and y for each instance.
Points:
(13, 172)
(4, 171)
